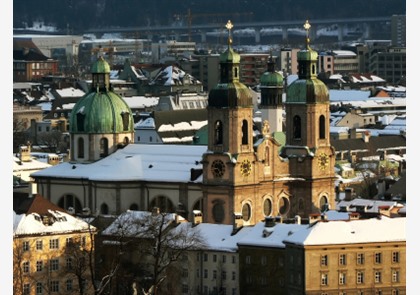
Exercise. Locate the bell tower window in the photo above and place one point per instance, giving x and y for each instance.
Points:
(103, 146)
(218, 132)
(80, 148)
(322, 127)
(244, 132)
(297, 129)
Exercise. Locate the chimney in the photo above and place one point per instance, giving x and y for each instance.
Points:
(352, 133)
(366, 136)
(25, 153)
(348, 194)
(238, 221)
(53, 159)
(197, 217)
(314, 218)
(354, 216)
(297, 219)
(269, 221)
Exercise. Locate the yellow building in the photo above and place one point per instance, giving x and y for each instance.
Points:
(50, 250)
(348, 257)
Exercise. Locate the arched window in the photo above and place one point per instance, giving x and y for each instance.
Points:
(246, 211)
(297, 128)
(103, 147)
(163, 203)
(125, 120)
(69, 201)
(313, 70)
(104, 208)
(244, 132)
(267, 156)
(80, 122)
(218, 133)
(236, 72)
(268, 207)
(80, 148)
(322, 127)
(323, 204)
(134, 207)
(284, 206)
(218, 211)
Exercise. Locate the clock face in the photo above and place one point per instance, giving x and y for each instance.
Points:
(218, 168)
(323, 161)
(246, 168)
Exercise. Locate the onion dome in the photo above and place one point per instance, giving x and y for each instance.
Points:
(307, 88)
(101, 110)
(229, 92)
(271, 78)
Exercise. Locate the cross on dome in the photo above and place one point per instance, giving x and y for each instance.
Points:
(229, 26)
(307, 26)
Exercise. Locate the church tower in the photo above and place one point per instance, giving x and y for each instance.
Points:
(101, 121)
(308, 149)
(228, 164)
(271, 86)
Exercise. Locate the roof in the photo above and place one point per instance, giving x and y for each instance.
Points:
(136, 162)
(373, 230)
(375, 144)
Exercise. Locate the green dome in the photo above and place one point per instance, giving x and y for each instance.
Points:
(230, 56)
(307, 91)
(307, 55)
(271, 79)
(233, 94)
(100, 66)
(101, 112)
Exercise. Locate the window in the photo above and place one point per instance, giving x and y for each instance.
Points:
(281, 261)
(205, 257)
(267, 207)
(324, 279)
(39, 245)
(198, 273)
(83, 242)
(26, 289)
(80, 148)
(69, 285)
(342, 278)
(224, 258)
(214, 258)
(185, 288)
(233, 259)
(218, 133)
(360, 258)
(395, 292)
(244, 132)
(54, 286)
(69, 241)
(69, 263)
(54, 244)
(25, 266)
(263, 260)
(25, 246)
(360, 277)
(233, 275)
(395, 257)
(223, 275)
(185, 273)
(324, 260)
(214, 274)
(39, 265)
(322, 127)
(377, 276)
(297, 128)
(342, 259)
(378, 257)
(54, 264)
(206, 273)
(248, 259)
(39, 288)
(395, 276)
(103, 147)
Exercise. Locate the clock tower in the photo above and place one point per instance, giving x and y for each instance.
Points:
(308, 149)
(228, 166)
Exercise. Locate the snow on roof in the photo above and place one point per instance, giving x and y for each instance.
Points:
(371, 230)
(148, 162)
(193, 125)
(348, 95)
(34, 164)
(148, 123)
(32, 224)
(140, 102)
(263, 236)
(344, 53)
(368, 205)
(70, 92)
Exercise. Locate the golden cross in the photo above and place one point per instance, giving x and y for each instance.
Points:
(307, 26)
(229, 26)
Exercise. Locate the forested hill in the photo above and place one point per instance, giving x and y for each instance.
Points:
(83, 14)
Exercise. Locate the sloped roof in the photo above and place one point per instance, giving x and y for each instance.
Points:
(37, 204)
(375, 143)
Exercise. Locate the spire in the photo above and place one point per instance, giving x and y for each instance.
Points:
(307, 26)
(229, 26)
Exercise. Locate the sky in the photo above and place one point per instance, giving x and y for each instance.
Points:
(6, 280)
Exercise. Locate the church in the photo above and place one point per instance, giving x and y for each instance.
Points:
(235, 177)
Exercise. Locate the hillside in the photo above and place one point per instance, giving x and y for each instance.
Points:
(79, 15)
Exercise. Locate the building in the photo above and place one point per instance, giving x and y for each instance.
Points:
(347, 257)
(171, 50)
(236, 174)
(342, 62)
(48, 248)
(398, 30)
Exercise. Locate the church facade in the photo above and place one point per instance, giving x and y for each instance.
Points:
(235, 178)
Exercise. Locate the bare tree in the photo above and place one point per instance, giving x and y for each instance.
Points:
(146, 246)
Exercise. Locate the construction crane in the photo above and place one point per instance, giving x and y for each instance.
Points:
(189, 16)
